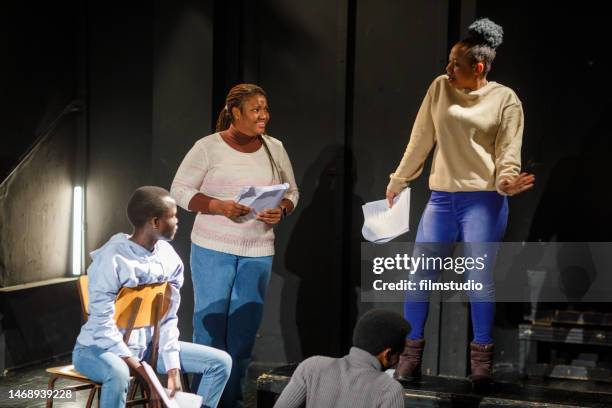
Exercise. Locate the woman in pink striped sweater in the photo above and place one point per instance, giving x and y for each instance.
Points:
(231, 255)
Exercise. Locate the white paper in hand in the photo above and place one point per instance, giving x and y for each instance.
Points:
(185, 399)
(261, 198)
(381, 223)
(180, 400)
(161, 391)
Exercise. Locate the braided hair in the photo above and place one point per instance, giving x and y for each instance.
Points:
(236, 98)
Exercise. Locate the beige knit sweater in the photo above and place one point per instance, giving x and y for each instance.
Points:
(477, 137)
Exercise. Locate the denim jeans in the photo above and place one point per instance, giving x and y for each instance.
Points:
(478, 218)
(109, 369)
(229, 294)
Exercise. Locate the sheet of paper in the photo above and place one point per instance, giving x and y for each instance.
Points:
(381, 223)
(261, 198)
(186, 399)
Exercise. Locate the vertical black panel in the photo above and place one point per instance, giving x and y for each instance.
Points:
(120, 114)
(556, 57)
(300, 64)
(182, 97)
(399, 50)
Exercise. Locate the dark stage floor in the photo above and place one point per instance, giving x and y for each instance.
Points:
(35, 378)
(510, 391)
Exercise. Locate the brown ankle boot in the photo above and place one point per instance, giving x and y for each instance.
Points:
(481, 356)
(409, 366)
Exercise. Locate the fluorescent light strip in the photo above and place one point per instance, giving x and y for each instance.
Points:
(77, 230)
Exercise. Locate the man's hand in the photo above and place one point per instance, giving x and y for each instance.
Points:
(518, 184)
(138, 370)
(174, 381)
(228, 208)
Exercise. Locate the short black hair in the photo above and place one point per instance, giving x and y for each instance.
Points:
(147, 202)
(380, 329)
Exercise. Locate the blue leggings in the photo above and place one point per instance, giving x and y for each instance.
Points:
(477, 217)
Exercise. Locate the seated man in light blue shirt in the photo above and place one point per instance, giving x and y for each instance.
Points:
(128, 261)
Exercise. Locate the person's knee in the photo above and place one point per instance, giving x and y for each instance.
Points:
(224, 365)
(219, 367)
(119, 377)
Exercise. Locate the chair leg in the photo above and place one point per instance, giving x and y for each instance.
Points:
(91, 396)
(144, 394)
(186, 382)
(132, 390)
(51, 386)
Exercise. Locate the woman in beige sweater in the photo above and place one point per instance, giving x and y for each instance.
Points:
(475, 127)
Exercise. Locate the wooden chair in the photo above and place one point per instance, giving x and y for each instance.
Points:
(137, 307)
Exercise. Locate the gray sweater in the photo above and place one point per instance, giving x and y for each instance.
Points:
(353, 381)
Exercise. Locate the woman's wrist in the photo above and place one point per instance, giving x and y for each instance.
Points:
(286, 207)
(200, 203)
(213, 206)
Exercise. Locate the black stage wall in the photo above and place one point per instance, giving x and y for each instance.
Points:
(40, 80)
(344, 81)
(556, 58)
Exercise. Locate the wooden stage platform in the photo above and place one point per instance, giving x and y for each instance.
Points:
(457, 392)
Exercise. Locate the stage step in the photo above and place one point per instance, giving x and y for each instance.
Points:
(445, 392)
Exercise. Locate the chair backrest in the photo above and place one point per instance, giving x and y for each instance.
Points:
(83, 295)
(137, 307)
(142, 306)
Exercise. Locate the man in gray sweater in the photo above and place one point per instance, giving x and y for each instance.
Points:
(356, 380)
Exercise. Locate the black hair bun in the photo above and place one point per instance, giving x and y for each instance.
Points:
(487, 31)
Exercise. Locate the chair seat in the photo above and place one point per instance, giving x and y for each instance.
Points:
(68, 371)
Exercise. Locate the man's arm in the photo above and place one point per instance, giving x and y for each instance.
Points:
(393, 396)
(294, 394)
(169, 347)
(104, 284)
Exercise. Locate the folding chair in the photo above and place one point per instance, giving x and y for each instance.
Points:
(137, 307)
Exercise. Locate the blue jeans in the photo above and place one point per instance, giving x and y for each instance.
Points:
(110, 370)
(229, 294)
(478, 218)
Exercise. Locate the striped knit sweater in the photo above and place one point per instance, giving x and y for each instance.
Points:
(217, 170)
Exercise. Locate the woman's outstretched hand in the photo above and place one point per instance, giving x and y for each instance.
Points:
(518, 184)
(390, 196)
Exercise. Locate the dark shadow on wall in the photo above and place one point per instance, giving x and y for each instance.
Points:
(319, 294)
(353, 225)
(575, 209)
